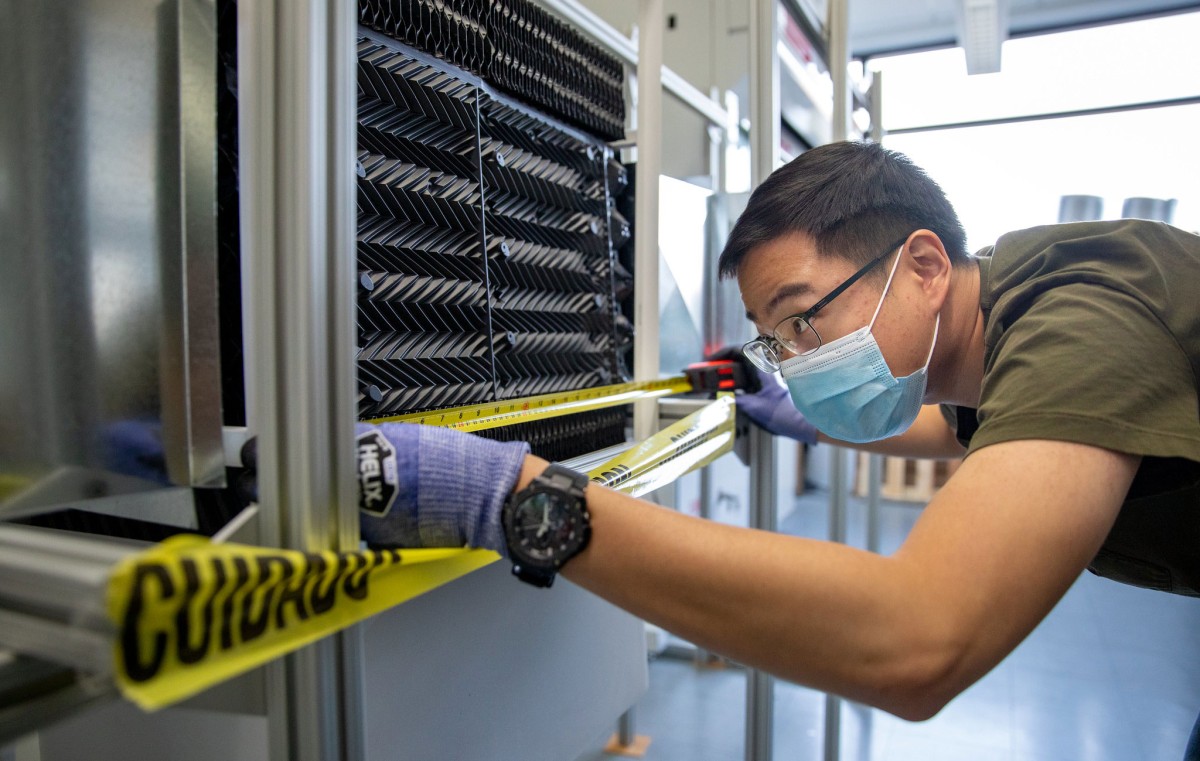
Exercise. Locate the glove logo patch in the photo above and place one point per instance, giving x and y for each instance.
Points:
(377, 482)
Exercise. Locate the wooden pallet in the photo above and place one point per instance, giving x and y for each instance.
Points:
(905, 479)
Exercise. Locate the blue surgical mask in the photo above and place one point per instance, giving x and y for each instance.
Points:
(847, 391)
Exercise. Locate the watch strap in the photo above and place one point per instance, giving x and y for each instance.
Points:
(562, 477)
(534, 576)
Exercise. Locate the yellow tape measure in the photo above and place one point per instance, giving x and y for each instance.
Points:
(509, 412)
(690, 443)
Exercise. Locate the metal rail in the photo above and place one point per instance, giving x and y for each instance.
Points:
(838, 27)
(760, 686)
(297, 99)
(764, 147)
(52, 586)
(56, 643)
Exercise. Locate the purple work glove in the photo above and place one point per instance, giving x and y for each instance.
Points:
(771, 408)
(135, 448)
(767, 402)
(424, 486)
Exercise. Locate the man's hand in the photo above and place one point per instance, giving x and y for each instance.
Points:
(423, 486)
(772, 409)
(767, 402)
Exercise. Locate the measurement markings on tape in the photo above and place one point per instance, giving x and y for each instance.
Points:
(509, 412)
(690, 443)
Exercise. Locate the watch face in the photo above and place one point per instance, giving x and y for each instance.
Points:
(547, 527)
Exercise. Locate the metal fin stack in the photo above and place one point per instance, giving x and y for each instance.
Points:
(560, 438)
(552, 278)
(423, 329)
(518, 47)
(486, 266)
(540, 59)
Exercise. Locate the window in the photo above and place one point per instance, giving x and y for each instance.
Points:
(1011, 175)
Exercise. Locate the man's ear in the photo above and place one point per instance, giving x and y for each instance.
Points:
(931, 262)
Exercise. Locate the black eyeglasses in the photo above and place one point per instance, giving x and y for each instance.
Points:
(796, 333)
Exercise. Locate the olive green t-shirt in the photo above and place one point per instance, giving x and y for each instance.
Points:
(1092, 335)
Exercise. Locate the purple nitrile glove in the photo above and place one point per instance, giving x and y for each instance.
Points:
(771, 408)
(424, 486)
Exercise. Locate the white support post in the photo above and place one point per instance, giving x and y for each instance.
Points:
(838, 26)
(874, 481)
(875, 99)
(875, 461)
(649, 167)
(645, 233)
(764, 90)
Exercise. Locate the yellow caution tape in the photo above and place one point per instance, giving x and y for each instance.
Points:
(190, 613)
(495, 414)
(690, 443)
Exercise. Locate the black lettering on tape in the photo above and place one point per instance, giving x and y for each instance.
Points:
(241, 580)
(184, 649)
(291, 594)
(254, 626)
(324, 594)
(261, 589)
(136, 669)
(355, 582)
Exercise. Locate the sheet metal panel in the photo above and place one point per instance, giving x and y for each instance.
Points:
(110, 378)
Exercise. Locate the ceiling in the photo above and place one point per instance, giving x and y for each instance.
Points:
(884, 26)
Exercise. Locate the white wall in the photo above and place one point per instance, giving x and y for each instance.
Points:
(708, 47)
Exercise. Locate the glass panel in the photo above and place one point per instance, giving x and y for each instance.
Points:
(683, 222)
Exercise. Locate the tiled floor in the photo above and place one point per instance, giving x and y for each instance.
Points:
(1113, 674)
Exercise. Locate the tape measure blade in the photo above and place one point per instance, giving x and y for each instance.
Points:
(542, 407)
(692, 432)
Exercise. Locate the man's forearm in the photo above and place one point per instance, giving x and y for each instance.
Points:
(829, 616)
(986, 561)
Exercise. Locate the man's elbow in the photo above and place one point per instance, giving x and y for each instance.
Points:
(921, 684)
(916, 705)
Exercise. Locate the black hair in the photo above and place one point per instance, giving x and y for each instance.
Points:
(853, 198)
